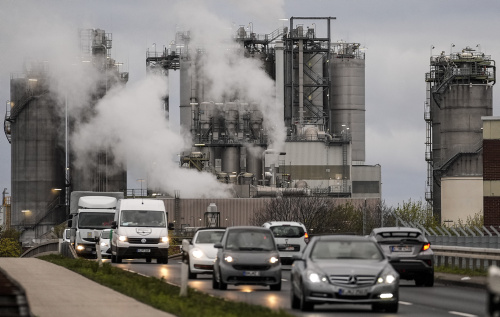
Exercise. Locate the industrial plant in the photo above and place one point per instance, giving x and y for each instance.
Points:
(320, 97)
(459, 94)
(38, 126)
(310, 140)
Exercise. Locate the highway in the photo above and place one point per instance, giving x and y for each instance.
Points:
(440, 300)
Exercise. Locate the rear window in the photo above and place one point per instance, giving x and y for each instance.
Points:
(287, 231)
(210, 237)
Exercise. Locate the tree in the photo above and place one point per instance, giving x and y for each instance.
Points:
(9, 243)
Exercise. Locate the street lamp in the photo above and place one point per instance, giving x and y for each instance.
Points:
(141, 181)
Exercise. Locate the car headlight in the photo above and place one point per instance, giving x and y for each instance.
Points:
(274, 260)
(164, 239)
(197, 253)
(123, 238)
(228, 259)
(80, 248)
(315, 277)
(387, 277)
(104, 244)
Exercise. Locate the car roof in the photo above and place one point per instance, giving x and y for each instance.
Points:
(286, 223)
(212, 229)
(247, 228)
(334, 237)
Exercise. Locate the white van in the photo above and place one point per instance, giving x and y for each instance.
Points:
(291, 238)
(140, 231)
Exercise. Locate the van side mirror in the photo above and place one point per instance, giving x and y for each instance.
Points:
(113, 225)
(171, 226)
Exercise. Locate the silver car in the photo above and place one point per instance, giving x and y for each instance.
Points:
(344, 269)
(247, 256)
(412, 248)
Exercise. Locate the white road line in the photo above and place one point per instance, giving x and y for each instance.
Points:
(462, 314)
(405, 303)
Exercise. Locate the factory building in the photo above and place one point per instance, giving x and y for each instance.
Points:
(320, 97)
(459, 93)
(38, 125)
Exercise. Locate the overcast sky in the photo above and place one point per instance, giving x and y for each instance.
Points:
(398, 36)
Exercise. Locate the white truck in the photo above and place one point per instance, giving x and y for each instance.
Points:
(91, 212)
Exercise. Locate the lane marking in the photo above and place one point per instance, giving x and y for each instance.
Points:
(462, 314)
(405, 303)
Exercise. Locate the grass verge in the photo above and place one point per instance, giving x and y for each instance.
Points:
(459, 271)
(161, 295)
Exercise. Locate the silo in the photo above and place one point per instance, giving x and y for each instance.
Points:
(231, 160)
(254, 161)
(459, 94)
(347, 95)
(37, 155)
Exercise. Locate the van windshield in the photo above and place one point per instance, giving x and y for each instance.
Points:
(95, 220)
(142, 218)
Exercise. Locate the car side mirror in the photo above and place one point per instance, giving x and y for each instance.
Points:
(113, 225)
(218, 245)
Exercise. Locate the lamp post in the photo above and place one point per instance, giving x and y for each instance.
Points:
(140, 180)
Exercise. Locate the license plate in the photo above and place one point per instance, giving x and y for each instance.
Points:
(398, 248)
(353, 291)
(251, 273)
(290, 248)
(144, 250)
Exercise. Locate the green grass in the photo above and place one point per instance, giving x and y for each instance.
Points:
(161, 295)
(459, 271)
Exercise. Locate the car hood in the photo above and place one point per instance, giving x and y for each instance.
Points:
(345, 267)
(208, 249)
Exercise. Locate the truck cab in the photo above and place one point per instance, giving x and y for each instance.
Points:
(95, 213)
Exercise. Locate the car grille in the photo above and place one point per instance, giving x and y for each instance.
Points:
(352, 279)
(251, 267)
(148, 240)
(89, 239)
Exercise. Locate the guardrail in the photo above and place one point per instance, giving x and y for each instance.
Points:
(465, 257)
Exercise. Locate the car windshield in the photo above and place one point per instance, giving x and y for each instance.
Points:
(95, 220)
(250, 240)
(287, 231)
(210, 237)
(333, 250)
(142, 218)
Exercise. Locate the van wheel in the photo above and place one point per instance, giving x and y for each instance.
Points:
(118, 259)
(113, 258)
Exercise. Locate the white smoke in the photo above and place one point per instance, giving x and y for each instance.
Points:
(130, 121)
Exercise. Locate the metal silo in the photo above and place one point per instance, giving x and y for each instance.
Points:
(37, 153)
(347, 95)
(459, 93)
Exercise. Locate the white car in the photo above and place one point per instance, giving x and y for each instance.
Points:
(200, 252)
(291, 238)
(105, 243)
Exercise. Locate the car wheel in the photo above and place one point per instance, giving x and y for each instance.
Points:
(419, 281)
(294, 300)
(429, 281)
(304, 304)
(191, 275)
(222, 285)
(148, 260)
(118, 259)
(276, 287)
(215, 284)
